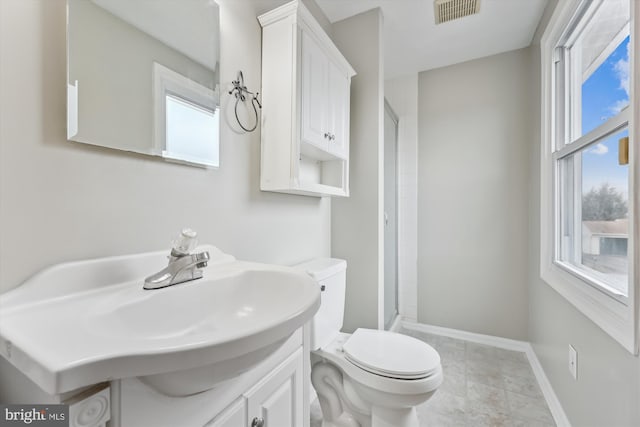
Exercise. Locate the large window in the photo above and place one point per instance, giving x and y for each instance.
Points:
(587, 170)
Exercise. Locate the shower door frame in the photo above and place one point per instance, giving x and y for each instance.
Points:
(394, 117)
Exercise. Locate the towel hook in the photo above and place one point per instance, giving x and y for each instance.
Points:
(239, 90)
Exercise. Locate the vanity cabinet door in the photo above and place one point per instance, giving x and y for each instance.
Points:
(276, 401)
(314, 93)
(234, 416)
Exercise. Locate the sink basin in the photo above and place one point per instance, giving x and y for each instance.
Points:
(81, 323)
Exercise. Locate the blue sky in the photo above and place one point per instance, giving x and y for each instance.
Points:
(604, 93)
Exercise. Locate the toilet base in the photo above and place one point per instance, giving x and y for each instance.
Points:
(342, 405)
(351, 396)
(380, 417)
(387, 417)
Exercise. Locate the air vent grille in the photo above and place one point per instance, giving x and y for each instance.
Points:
(448, 10)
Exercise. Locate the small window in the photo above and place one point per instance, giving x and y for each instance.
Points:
(190, 129)
(187, 119)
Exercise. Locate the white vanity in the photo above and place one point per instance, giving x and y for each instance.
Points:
(224, 350)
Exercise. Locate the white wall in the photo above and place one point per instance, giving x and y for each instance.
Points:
(474, 133)
(357, 227)
(62, 201)
(402, 95)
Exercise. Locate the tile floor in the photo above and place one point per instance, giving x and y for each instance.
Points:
(483, 386)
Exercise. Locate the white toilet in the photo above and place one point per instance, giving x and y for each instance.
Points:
(370, 378)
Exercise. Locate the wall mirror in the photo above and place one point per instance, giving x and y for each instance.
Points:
(143, 76)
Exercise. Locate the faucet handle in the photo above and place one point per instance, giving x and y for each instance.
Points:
(184, 243)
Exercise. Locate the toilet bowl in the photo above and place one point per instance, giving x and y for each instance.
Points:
(370, 378)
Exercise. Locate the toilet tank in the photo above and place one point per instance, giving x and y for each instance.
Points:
(331, 276)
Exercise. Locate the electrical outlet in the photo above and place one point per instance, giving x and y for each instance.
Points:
(573, 362)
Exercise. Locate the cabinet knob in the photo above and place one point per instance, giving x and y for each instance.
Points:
(327, 135)
(332, 137)
(257, 422)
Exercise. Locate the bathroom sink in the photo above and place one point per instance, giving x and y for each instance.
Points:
(81, 323)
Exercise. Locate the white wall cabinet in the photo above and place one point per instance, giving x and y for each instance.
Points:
(275, 401)
(306, 104)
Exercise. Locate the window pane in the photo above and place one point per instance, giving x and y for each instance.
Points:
(594, 218)
(606, 92)
(601, 62)
(191, 132)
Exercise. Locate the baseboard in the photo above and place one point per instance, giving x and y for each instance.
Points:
(559, 416)
(505, 343)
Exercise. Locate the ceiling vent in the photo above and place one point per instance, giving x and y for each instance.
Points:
(448, 10)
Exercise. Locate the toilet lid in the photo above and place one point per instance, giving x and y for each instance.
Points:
(390, 354)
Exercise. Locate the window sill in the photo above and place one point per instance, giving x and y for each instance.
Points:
(596, 280)
(613, 316)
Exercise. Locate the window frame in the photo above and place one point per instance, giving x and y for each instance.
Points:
(168, 83)
(616, 315)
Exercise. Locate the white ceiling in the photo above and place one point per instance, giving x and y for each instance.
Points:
(413, 43)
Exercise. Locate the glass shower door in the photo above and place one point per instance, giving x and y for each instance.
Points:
(390, 216)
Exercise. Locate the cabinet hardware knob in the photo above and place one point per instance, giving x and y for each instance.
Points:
(323, 288)
(327, 135)
(257, 422)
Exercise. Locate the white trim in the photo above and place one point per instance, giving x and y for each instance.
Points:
(634, 155)
(605, 130)
(305, 19)
(167, 82)
(504, 343)
(559, 416)
(72, 109)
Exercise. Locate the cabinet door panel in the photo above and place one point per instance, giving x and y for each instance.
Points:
(234, 416)
(338, 107)
(277, 399)
(314, 93)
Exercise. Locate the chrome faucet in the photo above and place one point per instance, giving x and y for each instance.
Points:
(183, 265)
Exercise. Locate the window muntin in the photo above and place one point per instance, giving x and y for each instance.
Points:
(592, 189)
